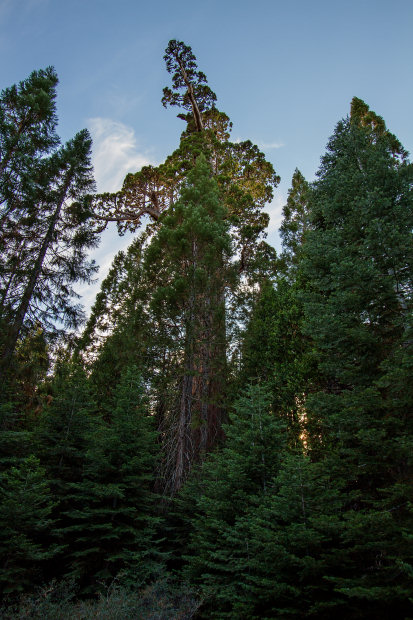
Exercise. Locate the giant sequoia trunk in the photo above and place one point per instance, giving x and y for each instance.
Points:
(201, 405)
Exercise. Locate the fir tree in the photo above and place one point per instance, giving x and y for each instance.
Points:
(276, 351)
(26, 505)
(296, 222)
(62, 439)
(357, 262)
(56, 257)
(234, 480)
(112, 519)
(27, 136)
(27, 133)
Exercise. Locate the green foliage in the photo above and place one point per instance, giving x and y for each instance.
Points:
(358, 265)
(330, 534)
(181, 62)
(301, 505)
(276, 351)
(234, 480)
(296, 222)
(188, 266)
(118, 333)
(62, 438)
(25, 515)
(107, 511)
(65, 427)
(45, 213)
(15, 438)
(27, 133)
(194, 241)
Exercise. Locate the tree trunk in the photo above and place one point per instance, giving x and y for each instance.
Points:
(15, 328)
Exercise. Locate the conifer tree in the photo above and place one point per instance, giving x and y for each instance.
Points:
(187, 261)
(197, 96)
(236, 478)
(62, 438)
(245, 182)
(119, 332)
(358, 266)
(60, 213)
(27, 133)
(276, 351)
(25, 516)
(112, 519)
(296, 221)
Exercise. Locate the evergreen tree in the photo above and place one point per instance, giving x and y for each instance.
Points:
(112, 519)
(293, 537)
(244, 181)
(60, 214)
(27, 133)
(234, 480)
(296, 222)
(197, 96)
(358, 265)
(187, 261)
(118, 333)
(25, 516)
(276, 351)
(62, 439)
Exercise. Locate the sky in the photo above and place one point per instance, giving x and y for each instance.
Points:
(284, 72)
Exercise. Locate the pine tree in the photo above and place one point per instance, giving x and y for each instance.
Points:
(56, 257)
(235, 479)
(111, 519)
(26, 505)
(357, 261)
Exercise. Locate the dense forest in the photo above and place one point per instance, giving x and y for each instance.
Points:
(229, 433)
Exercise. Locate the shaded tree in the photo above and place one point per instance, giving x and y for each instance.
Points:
(357, 262)
(25, 516)
(43, 289)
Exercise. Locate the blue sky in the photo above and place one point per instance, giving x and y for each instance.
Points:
(285, 73)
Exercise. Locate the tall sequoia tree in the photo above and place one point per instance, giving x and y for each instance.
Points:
(245, 179)
(187, 262)
(244, 183)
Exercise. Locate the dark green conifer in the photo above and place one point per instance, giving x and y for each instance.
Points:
(235, 479)
(358, 266)
(188, 262)
(26, 505)
(111, 519)
(295, 224)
